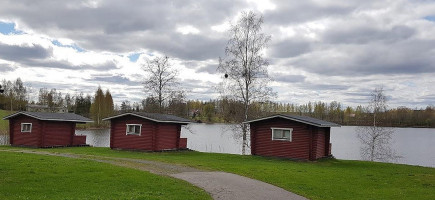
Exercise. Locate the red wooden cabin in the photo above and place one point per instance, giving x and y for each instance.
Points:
(146, 131)
(42, 129)
(297, 137)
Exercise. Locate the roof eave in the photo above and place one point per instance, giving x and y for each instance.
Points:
(38, 118)
(285, 117)
(63, 120)
(154, 120)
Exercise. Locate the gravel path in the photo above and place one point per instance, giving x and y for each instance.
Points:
(220, 185)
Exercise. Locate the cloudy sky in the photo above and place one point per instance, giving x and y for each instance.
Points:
(320, 50)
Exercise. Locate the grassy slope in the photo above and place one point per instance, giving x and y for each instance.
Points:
(4, 124)
(27, 176)
(328, 179)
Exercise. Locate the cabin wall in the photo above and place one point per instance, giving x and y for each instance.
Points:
(262, 143)
(167, 136)
(154, 136)
(308, 142)
(120, 140)
(18, 138)
(58, 133)
(319, 144)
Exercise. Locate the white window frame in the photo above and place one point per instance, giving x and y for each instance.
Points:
(22, 126)
(133, 133)
(284, 129)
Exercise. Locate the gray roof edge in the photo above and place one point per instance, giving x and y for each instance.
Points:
(290, 118)
(46, 119)
(144, 117)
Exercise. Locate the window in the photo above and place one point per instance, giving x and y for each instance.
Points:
(282, 134)
(26, 127)
(133, 129)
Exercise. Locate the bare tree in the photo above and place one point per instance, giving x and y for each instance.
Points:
(161, 80)
(376, 140)
(246, 79)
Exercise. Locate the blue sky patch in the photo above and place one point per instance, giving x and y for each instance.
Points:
(8, 28)
(134, 57)
(74, 46)
(430, 18)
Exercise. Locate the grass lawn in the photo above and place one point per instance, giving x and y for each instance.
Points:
(327, 179)
(29, 176)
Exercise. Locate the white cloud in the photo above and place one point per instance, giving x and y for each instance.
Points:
(221, 27)
(187, 29)
(263, 5)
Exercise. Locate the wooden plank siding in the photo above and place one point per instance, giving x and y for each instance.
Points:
(57, 133)
(153, 137)
(319, 144)
(308, 142)
(18, 138)
(43, 133)
(166, 136)
(120, 140)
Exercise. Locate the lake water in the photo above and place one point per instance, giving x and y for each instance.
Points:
(414, 145)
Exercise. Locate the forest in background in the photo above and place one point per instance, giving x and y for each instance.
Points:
(100, 105)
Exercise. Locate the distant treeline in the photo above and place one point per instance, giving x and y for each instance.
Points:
(100, 105)
(228, 111)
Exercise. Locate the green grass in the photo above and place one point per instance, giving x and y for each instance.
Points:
(4, 124)
(31, 176)
(327, 179)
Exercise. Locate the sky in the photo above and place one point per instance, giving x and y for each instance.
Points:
(320, 50)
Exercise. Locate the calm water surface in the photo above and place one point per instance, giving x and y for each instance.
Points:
(96, 137)
(414, 145)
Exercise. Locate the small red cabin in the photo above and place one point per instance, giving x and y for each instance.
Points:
(39, 129)
(146, 131)
(297, 137)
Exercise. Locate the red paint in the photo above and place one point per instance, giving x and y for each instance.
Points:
(43, 133)
(183, 143)
(79, 140)
(308, 142)
(154, 136)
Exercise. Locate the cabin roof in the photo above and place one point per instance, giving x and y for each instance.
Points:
(302, 119)
(156, 117)
(47, 116)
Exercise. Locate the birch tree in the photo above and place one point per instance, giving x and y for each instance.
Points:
(376, 140)
(244, 67)
(161, 79)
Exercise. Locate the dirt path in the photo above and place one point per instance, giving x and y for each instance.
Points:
(220, 185)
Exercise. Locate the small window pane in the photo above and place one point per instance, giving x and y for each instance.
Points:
(277, 133)
(281, 134)
(133, 129)
(130, 129)
(26, 127)
(286, 134)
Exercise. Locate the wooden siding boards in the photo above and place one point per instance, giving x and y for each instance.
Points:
(264, 145)
(154, 136)
(43, 133)
(182, 143)
(167, 136)
(27, 138)
(119, 138)
(57, 133)
(308, 142)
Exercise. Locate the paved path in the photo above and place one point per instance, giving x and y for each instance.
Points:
(220, 185)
